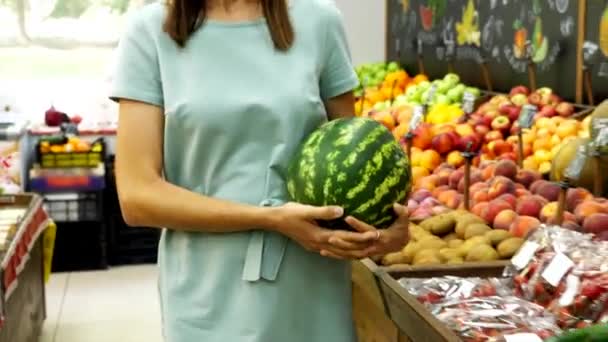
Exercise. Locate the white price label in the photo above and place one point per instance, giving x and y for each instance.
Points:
(557, 269)
(523, 337)
(573, 284)
(526, 118)
(525, 255)
(416, 118)
(468, 102)
(432, 92)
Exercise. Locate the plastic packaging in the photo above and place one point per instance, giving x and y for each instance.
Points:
(435, 290)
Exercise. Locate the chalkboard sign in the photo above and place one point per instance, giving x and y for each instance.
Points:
(498, 36)
(596, 60)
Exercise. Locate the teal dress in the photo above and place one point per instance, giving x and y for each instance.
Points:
(236, 109)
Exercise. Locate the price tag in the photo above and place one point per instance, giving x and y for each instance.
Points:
(449, 48)
(523, 337)
(525, 255)
(432, 92)
(416, 119)
(419, 47)
(529, 50)
(557, 269)
(573, 284)
(575, 168)
(601, 140)
(468, 102)
(526, 118)
(589, 51)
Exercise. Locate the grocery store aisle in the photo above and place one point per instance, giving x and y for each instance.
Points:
(120, 304)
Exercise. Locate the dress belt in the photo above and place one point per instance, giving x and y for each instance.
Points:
(265, 251)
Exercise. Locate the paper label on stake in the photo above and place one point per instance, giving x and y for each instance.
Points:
(449, 48)
(589, 50)
(575, 168)
(573, 284)
(523, 337)
(601, 140)
(525, 255)
(416, 118)
(557, 269)
(419, 47)
(468, 102)
(432, 92)
(526, 118)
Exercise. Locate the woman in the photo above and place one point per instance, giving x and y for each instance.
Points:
(215, 96)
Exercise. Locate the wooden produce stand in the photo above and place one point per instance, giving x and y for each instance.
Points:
(385, 312)
(22, 295)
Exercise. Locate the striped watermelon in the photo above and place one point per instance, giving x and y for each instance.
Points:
(354, 163)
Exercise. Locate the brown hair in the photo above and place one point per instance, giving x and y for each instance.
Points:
(186, 16)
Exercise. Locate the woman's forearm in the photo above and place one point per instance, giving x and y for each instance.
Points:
(163, 205)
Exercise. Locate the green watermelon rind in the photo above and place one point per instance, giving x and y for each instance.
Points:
(347, 177)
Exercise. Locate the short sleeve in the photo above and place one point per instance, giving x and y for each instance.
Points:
(136, 74)
(337, 72)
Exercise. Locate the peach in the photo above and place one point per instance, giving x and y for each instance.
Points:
(428, 182)
(454, 202)
(501, 185)
(522, 192)
(444, 176)
(480, 196)
(478, 186)
(522, 225)
(549, 190)
(504, 219)
(445, 196)
(576, 196)
(455, 159)
(494, 208)
(479, 208)
(455, 178)
(543, 201)
(535, 185)
(506, 168)
(588, 208)
(596, 223)
(509, 198)
(529, 206)
(527, 177)
(420, 195)
(488, 171)
(423, 136)
(439, 190)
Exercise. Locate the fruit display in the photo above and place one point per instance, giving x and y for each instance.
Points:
(495, 319)
(564, 271)
(354, 163)
(454, 237)
(380, 84)
(67, 144)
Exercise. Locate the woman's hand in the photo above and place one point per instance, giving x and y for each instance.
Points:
(385, 241)
(298, 222)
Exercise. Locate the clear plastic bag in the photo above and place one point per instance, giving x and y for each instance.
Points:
(434, 290)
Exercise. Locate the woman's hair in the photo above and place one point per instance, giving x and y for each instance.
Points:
(186, 16)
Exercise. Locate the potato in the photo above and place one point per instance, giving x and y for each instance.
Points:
(473, 242)
(497, 236)
(507, 248)
(475, 230)
(455, 261)
(440, 224)
(446, 254)
(394, 259)
(427, 256)
(417, 232)
(409, 251)
(482, 253)
(455, 243)
(432, 242)
(464, 221)
(450, 237)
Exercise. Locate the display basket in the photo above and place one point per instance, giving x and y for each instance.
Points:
(73, 159)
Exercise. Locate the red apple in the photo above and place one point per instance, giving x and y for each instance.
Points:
(520, 89)
(565, 109)
(464, 142)
(501, 123)
(443, 143)
(519, 100)
(547, 111)
(499, 147)
(481, 129)
(535, 99)
(493, 135)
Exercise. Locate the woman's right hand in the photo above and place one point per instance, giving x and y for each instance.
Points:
(299, 222)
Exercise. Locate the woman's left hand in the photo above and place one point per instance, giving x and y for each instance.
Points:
(389, 240)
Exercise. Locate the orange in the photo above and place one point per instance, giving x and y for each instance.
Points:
(416, 158)
(420, 78)
(387, 92)
(530, 164)
(401, 130)
(542, 156)
(374, 96)
(555, 140)
(430, 159)
(566, 130)
(542, 144)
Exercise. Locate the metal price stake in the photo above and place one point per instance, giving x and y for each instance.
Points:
(590, 55)
(420, 51)
(485, 71)
(415, 121)
(526, 118)
(469, 154)
(531, 66)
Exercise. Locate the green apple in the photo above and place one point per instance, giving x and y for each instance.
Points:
(380, 74)
(443, 87)
(473, 91)
(424, 85)
(454, 95)
(452, 79)
(442, 99)
(392, 67)
(424, 97)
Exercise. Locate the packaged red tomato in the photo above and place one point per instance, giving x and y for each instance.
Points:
(434, 290)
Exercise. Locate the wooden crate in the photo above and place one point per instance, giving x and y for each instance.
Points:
(385, 312)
